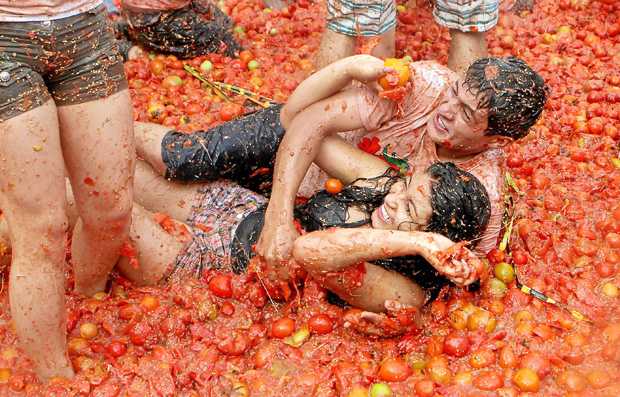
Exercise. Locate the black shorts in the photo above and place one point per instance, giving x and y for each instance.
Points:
(72, 60)
(242, 150)
(197, 29)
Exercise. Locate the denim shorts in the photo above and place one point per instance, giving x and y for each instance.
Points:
(72, 60)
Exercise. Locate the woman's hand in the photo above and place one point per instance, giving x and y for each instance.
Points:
(275, 245)
(459, 264)
(397, 320)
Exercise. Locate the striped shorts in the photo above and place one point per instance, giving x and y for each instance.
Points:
(467, 15)
(361, 17)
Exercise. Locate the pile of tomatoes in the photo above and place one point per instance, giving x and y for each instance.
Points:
(226, 336)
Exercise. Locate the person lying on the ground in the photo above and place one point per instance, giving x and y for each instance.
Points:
(382, 224)
(439, 106)
(184, 28)
(498, 101)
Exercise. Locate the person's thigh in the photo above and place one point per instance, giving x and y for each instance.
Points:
(97, 141)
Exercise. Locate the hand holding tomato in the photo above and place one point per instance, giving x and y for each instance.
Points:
(366, 68)
(398, 75)
(275, 245)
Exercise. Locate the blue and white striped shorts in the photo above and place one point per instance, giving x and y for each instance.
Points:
(467, 15)
(361, 17)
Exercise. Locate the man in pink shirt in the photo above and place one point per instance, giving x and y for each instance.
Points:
(468, 120)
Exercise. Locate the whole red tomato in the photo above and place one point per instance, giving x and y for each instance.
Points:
(320, 324)
(394, 370)
(221, 286)
(456, 344)
(283, 327)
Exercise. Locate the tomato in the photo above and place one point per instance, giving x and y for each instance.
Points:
(399, 76)
(116, 348)
(172, 81)
(283, 327)
(438, 370)
(88, 330)
(519, 257)
(245, 56)
(227, 309)
(598, 379)
(489, 380)
(424, 388)
(496, 256)
(221, 286)
(149, 303)
(507, 357)
(320, 324)
(456, 345)
(514, 160)
(394, 370)
(536, 362)
(613, 240)
(157, 67)
(526, 380)
(333, 185)
(572, 381)
(482, 358)
(229, 111)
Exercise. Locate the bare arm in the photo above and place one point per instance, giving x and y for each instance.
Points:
(329, 81)
(335, 249)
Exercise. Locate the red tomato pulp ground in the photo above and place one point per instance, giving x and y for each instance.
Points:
(230, 340)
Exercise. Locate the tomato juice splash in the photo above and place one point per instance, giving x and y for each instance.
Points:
(215, 336)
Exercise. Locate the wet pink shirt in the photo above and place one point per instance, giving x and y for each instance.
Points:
(401, 130)
(41, 10)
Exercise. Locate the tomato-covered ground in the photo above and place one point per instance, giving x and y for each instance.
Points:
(224, 336)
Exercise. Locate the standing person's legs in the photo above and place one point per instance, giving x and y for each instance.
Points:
(387, 45)
(96, 130)
(97, 140)
(334, 46)
(32, 197)
(468, 20)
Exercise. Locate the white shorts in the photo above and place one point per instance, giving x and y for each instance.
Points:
(467, 15)
(361, 17)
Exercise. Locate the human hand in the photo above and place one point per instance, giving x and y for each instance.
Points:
(459, 264)
(366, 68)
(275, 246)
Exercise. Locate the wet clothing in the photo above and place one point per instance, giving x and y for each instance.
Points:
(361, 17)
(467, 15)
(242, 150)
(150, 5)
(72, 60)
(194, 29)
(42, 10)
(228, 219)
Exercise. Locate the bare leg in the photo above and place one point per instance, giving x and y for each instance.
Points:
(334, 46)
(32, 194)
(148, 144)
(97, 139)
(387, 45)
(378, 286)
(156, 249)
(465, 48)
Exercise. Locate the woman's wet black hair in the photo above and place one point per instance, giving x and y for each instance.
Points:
(514, 94)
(461, 205)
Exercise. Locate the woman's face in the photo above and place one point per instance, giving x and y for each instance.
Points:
(407, 206)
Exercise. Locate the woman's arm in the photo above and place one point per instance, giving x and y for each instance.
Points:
(336, 249)
(329, 81)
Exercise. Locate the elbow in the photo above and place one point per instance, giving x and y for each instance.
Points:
(286, 115)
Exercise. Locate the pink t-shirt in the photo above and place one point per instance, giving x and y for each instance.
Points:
(154, 5)
(401, 130)
(41, 10)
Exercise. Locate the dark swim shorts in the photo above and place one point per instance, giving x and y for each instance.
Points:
(242, 150)
(74, 59)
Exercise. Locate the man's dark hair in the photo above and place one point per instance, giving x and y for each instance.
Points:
(514, 94)
(461, 205)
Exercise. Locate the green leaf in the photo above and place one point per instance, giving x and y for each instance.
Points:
(401, 164)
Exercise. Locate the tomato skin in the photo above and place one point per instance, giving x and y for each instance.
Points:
(333, 185)
(283, 327)
(536, 362)
(489, 380)
(496, 256)
(320, 324)
(157, 67)
(394, 370)
(425, 388)
(514, 161)
(116, 349)
(456, 344)
(229, 111)
(519, 257)
(245, 56)
(221, 286)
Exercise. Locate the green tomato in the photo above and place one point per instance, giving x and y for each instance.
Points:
(206, 66)
(401, 8)
(504, 272)
(407, 58)
(253, 64)
(497, 287)
(380, 390)
(239, 29)
(273, 31)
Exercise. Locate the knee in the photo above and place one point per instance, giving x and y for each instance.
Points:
(112, 214)
(43, 231)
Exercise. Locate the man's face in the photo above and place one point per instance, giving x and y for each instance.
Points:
(458, 124)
